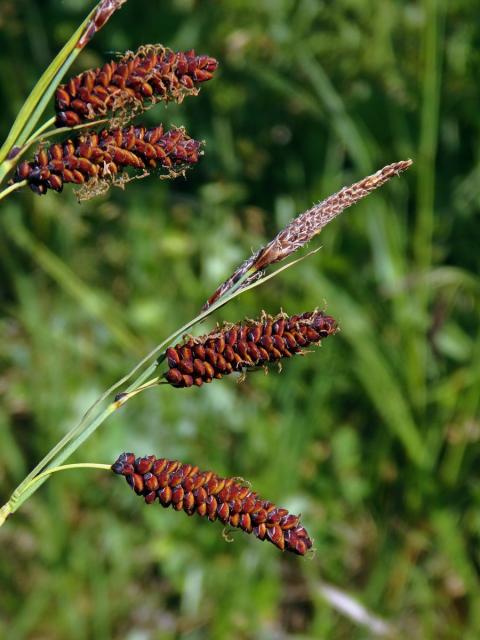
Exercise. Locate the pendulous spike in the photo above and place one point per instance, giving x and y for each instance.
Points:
(138, 80)
(105, 154)
(184, 487)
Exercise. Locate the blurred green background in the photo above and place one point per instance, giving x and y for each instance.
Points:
(374, 438)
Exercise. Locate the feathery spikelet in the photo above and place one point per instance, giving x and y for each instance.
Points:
(151, 74)
(307, 225)
(101, 156)
(183, 486)
(242, 346)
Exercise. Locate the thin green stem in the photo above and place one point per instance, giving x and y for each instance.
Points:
(74, 438)
(417, 347)
(46, 460)
(66, 467)
(12, 506)
(10, 163)
(46, 125)
(42, 133)
(53, 132)
(29, 486)
(13, 187)
(122, 398)
(40, 95)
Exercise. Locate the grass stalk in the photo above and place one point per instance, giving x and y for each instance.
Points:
(13, 187)
(88, 424)
(423, 236)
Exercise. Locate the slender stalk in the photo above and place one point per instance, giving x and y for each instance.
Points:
(417, 348)
(84, 429)
(28, 487)
(43, 133)
(36, 102)
(13, 187)
(46, 125)
(9, 164)
(65, 467)
(13, 505)
(124, 397)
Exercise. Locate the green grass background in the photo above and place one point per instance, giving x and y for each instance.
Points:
(374, 438)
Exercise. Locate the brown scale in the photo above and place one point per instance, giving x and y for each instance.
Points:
(243, 346)
(153, 73)
(184, 487)
(105, 154)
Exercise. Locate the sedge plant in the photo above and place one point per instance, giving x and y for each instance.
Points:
(95, 146)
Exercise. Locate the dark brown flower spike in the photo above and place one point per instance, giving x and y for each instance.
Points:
(184, 487)
(137, 80)
(243, 346)
(101, 157)
(307, 225)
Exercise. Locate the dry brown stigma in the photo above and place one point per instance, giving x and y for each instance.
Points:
(184, 487)
(246, 345)
(105, 154)
(139, 79)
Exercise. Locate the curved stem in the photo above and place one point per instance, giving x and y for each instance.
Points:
(10, 163)
(10, 507)
(66, 467)
(74, 438)
(53, 453)
(41, 93)
(11, 188)
(42, 133)
(124, 397)
(36, 134)
(56, 456)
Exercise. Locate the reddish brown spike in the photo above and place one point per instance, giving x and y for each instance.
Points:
(213, 497)
(135, 81)
(244, 346)
(95, 157)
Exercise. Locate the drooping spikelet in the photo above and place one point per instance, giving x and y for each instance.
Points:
(242, 346)
(306, 226)
(151, 74)
(103, 155)
(184, 487)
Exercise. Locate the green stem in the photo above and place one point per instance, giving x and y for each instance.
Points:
(122, 398)
(74, 438)
(429, 117)
(12, 506)
(9, 164)
(39, 135)
(30, 484)
(55, 456)
(46, 125)
(40, 95)
(65, 467)
(11, 188)
(417, 348)
(5, 511)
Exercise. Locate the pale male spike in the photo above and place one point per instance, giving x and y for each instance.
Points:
(307, 225)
